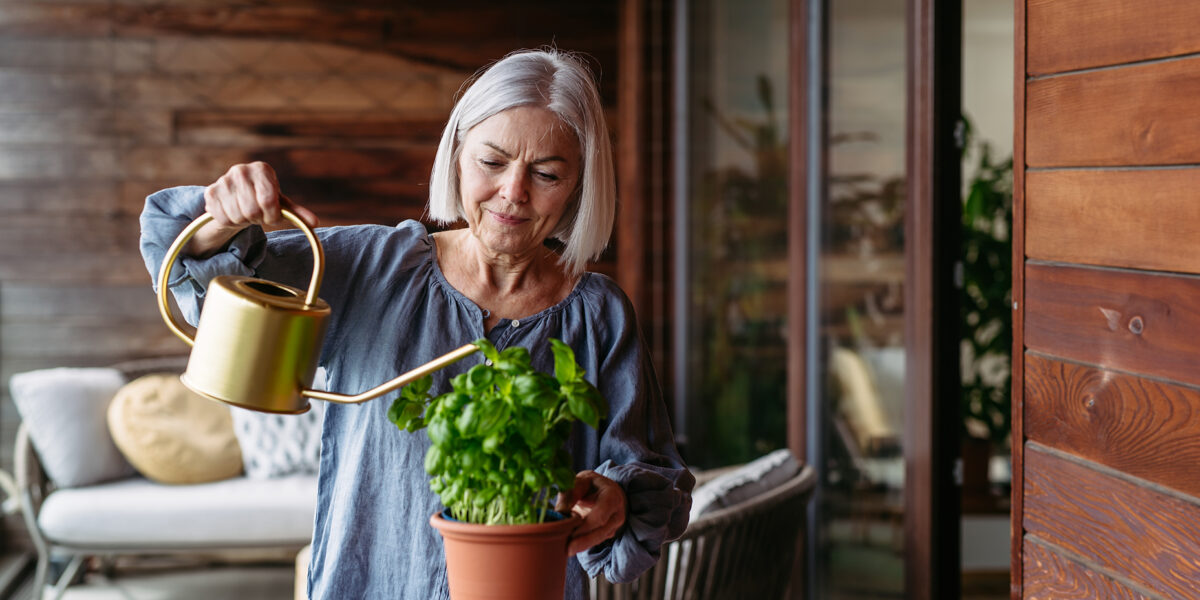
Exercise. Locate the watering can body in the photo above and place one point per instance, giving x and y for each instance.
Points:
(257, 342)
(253, 351)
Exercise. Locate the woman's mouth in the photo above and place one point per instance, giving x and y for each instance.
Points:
(507, 219)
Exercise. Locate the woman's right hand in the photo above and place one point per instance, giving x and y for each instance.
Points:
(247, 194)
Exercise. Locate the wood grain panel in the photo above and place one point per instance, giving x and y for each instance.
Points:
(1149, 429)
(44, 234)
(84, 198)
(98, 268)
(248, 91)
(1117, 524)
(1148, 219)
(23, 163)
(77, 127)
(190, 165)
(70, 342)
(1129, 321)
(61, 19)
(412, 31)
(55, 54)
(1054, 577)
(296, 128)
(30, 302)
(28, 89)
(1137, 115)
(1076, 34)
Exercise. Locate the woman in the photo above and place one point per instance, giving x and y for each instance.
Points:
(524, 157)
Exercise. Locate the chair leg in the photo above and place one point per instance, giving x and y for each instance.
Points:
(68, 575)
(39, 576)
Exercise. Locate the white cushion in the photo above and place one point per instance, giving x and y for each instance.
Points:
(65, 411)
(137, 512)
(751, 479)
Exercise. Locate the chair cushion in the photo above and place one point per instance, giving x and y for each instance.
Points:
(751, 479)
(171, 434)
(139, 513)
(64, 411)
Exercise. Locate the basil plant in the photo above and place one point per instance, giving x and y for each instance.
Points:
(497, 452)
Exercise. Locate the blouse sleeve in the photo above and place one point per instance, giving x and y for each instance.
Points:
(637, 450)
(165, 215)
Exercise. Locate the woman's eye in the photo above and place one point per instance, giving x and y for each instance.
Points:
(545, 176)
(490, 163)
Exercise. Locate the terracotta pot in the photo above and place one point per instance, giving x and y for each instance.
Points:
(505, 562)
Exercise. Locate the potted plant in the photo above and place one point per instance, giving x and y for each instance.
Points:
(497, 460)
(986, 311)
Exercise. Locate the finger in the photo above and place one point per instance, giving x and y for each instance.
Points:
(309, 217)
(588, 534)
(266, 196)
(214, 202)
(568, 499)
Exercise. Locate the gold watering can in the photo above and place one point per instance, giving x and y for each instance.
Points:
(257, 343)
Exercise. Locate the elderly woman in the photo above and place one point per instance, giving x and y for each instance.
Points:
(525, 157)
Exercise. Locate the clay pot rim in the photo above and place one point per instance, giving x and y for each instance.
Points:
(549, 527)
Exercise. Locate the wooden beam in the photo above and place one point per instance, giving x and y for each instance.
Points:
(933, 205)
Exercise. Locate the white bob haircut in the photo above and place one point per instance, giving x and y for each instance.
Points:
(562, 84)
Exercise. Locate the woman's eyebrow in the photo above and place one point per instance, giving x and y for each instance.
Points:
(505, 154)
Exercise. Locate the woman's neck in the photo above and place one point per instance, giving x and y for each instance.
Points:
(506, 286)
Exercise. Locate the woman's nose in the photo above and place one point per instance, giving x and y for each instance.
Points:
(514, 185)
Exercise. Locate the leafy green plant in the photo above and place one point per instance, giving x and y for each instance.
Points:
(497, 454)
(986, 296)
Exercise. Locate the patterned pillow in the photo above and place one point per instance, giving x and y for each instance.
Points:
(279, 445)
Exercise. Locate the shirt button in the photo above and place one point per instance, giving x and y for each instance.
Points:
(516, 323)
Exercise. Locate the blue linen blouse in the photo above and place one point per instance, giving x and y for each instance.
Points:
(392, 311)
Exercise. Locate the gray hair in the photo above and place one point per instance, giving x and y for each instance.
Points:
(562, 84)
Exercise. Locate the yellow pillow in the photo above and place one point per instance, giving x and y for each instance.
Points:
(172, 435)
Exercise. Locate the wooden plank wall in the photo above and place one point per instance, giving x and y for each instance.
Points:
(103, 102)
(1110, 498)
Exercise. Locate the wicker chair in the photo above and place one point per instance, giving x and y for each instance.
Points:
(743, 551)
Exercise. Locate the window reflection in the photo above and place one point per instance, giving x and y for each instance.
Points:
(736, 279)
(861, 312)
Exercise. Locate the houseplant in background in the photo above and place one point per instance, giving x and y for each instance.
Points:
(985, 309)
(497, 461)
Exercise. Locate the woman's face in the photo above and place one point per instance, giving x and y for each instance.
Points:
(517, 171)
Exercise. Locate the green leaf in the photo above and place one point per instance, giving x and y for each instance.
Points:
(514, 360)
(434, 461)
(565, 368)
(418, 390)
(489, 350)
(396, 412)
(583, 409)
(479, 378)
(530, 426)
(490, 417)
(492, 443)
(466, 421)
(439, 432)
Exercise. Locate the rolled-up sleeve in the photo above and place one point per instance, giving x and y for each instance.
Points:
(637, 450)
(166, 214)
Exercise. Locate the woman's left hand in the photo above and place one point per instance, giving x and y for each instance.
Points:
(601, 503)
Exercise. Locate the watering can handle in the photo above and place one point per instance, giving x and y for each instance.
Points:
(186, 332)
